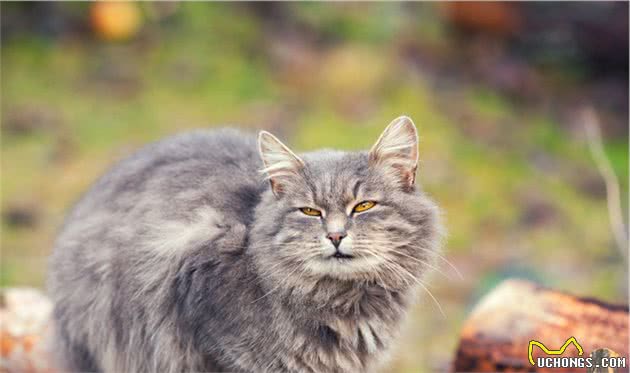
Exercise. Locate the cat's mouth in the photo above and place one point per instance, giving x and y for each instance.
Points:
(342, 256)
(344, 265)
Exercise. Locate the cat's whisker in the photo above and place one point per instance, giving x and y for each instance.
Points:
(432, 252)
(386, 264)
(424, 263)
(417, 260)
(258, 246)
(416, 280)
(432, 297)
(448, 262)
(437, 303)
(376, 271)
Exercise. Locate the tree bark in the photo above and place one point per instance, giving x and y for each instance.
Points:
(497, 334)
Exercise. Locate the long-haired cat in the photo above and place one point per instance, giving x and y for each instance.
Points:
(212, 251)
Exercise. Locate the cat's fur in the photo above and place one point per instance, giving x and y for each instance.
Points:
(186, 257)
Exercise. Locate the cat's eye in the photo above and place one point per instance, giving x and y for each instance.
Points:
(310, 212)
(364, 206)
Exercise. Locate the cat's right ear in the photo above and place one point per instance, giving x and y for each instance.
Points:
(281, 165)
(397, 151)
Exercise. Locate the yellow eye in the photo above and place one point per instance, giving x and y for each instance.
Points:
(364, 206)
(310, 212)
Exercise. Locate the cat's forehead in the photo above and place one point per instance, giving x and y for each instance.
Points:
(335, 177)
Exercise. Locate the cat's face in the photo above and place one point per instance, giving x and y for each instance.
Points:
(346, 215)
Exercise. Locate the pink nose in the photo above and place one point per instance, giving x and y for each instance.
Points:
(336, 237)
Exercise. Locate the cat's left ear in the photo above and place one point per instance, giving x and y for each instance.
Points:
(282, 166)
(397, 150)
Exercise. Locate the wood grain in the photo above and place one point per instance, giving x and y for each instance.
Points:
(496, 335)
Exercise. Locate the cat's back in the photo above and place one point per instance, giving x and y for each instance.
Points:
(217, 168)
(164, 199)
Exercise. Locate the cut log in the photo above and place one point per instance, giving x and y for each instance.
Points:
(24, 324)
(497, 334)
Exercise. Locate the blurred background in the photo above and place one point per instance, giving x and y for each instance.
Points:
(494, 88)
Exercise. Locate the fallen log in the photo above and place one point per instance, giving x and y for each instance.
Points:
(24, 326)
(499, 331)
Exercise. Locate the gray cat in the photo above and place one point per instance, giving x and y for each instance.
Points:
(185, 257)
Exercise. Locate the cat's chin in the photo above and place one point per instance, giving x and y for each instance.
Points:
(344, 267)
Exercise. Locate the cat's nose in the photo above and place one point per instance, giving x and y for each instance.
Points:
(336, 237)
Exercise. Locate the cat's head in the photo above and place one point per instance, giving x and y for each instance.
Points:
(345, 215)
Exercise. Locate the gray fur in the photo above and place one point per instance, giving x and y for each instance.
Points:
(181, 258)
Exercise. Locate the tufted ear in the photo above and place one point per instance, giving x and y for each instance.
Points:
(396, 150)
(280, 164)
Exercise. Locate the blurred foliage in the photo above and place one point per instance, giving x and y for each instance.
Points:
(501, 152)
